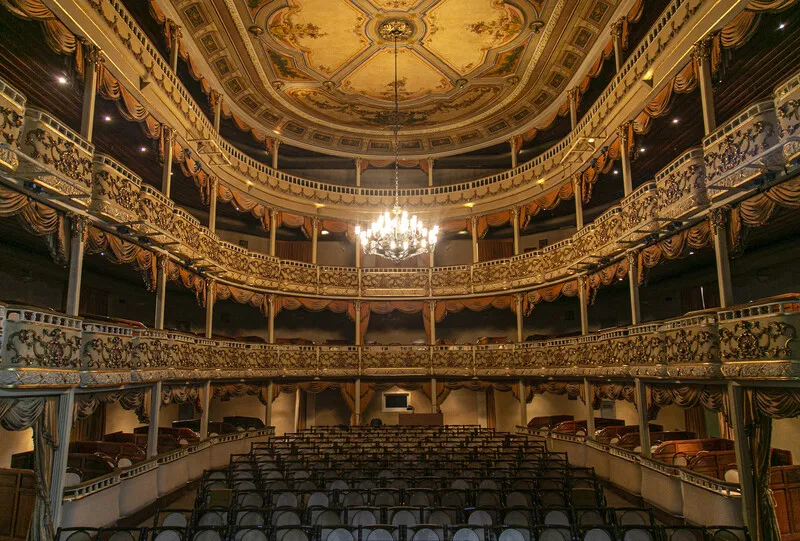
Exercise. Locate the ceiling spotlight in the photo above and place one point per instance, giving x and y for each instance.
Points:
(691, 253)
(61, 80)
(142, 149)
(591, 140)
(616, 171)
(540, 181)
(781, 26)
(641, 149)
(463, 232)
(107, 118)
(675, 120)
(324, 232)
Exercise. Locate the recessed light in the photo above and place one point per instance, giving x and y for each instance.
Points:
(641, 149)
(61, 80)
(781, 26)
(591, 139)
(540, 181)
(616, 172)
(107, 118)
(142, 149)
(675, 120)
(469, 205)
(324, 232)
(463, 232)
(691, 253)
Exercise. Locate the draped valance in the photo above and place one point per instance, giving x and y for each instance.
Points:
(238, 390)
(130, 400)
(182, 394)
(712, 397)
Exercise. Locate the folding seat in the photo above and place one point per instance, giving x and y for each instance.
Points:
(633, 516)
(592, 516)
(363, 515)
(385, 496)
(638, 532)
(684, 533)
(519, 498)
(489, 498)
(404, 515)
(587, 497)
(596, 533)
(454, 498)
(513, 533)
(214, 516)
(249, 533)
(353, 498)
(292, 533)
(284, 498)
(338, 533)
(208, 533)
(425, 532)
(552, 497)
(727, 533)
(286, 516)
(165, 533)
(518, 516)
(336, 484)
(442, 516)
(173, 518)
(327, 516)
(468, 533)
(382, 532)
(490, 484)
(425, 497)
(552, 533)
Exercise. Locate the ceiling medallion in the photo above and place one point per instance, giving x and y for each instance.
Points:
(396, 28)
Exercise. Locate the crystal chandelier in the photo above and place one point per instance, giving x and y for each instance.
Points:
(394, 235)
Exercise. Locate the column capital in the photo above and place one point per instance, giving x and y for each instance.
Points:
(161, 262)
(276, 143)
(358, 161)
(93, 55)
(702, 49)
(357, 305)
(572, 94)
(718, 218)
(632, 257)
(430, 162)
(271, 299)
(173, 30)
(514, 213)
(215, 97)
(623, 133)
(616, 28)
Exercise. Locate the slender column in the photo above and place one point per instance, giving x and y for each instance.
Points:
(268, 413)
(633, 285)
(589, 396)
(357, 309)
(523, 404)
(78, 226)
(161, 290)
(744, 459)
(166, 171)
(358, 252)
(66, 409)
(616, 35)
(206, 409)
(433, 322)
(719, 222)
(430, 172)
(515, 226)
(625, 157)
(271, 320)
(644, 423)
(216, 104)
(357, 402)
(702, 51)
(212, 204)
(155, 413)
(572, 96)
(513, 144)
(314, 239)
(358, 172)
(520, 320)
(89, 90)
(297, 409)
(211, 293)
(275, 146)
(175, 45)
(431, 260)
(474, 239)
(584, 305)
(434, 397)
(577, 188)
(273, 230)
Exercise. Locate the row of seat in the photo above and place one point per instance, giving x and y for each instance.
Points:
(421, 533)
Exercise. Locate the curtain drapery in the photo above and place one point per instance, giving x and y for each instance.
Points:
(182, 394)
(40, 414)
(131, 400)
(712, 397)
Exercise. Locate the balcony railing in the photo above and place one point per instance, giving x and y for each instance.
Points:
(749, 341)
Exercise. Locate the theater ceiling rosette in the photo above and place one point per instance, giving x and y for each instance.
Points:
(320, 72)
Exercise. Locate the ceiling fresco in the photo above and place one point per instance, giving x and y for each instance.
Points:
(320, 74)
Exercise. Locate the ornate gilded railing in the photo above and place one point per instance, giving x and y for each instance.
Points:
(239, 170)
(62, 164)
(750, 341)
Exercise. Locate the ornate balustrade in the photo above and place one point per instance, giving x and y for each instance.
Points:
(742, 149)
(12, 109)
(787, 109)
(750, 341)
(62, 163)
(664, 46)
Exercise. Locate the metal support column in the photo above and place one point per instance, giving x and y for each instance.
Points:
(625, 158)
(275, 146)
(273, 231)
(520, 320)
(166, 170)
(523, 404)
(66, 412)
(514, 149)
(357, 402)
(161, 290)
(430, 172)
(268, 413)
(515, 226)
(702, 51)
(584, 305)
(644, 423)
(633, 285)
(577, 189)
(719, 223)
(78, 225)
(211, 293)
(357, 310)
(475, 239)
(744, 460)
(314, 239)
(271, 319)
(212, 204)
(358, 172)
(175, 46)
(92, 61)
(588, 395)
(216, 104)
(432, 307)
(616, 35)
(206, 410)
(155, 413)
(572, 96)
(434, 397)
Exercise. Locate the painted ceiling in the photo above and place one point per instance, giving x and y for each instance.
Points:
(320, 75)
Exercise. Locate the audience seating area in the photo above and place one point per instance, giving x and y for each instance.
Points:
(403, 483)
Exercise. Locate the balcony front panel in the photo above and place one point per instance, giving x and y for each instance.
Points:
(12, 111)
(787, 108)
